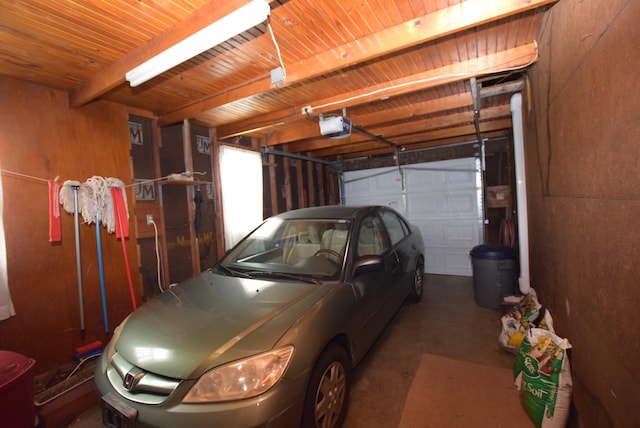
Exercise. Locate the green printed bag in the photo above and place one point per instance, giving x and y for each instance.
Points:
(543, 377)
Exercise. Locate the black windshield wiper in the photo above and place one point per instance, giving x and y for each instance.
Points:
(233, 272)
(270, 274)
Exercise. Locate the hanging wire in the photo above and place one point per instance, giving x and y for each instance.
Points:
(275, 42)
(188, 174)
(31, 177)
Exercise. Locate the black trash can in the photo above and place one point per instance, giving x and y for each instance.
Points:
(16, 390)
(494, 274)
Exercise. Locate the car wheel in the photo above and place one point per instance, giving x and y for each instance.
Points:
(328, 390)
(418, 284)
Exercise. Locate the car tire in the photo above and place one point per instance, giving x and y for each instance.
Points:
(417, 287)
(328, 390)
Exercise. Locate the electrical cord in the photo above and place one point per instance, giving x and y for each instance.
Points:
(157, 245)
(82, 361)
(273, 37)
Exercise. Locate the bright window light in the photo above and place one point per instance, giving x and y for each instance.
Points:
(241, 183)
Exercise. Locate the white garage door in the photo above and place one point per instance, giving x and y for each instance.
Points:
(442, 198)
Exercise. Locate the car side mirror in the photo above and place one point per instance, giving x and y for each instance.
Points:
(368, 264)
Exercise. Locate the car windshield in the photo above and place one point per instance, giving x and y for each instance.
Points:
(311, 249)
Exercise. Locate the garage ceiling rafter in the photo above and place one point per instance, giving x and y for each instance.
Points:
(401, 69)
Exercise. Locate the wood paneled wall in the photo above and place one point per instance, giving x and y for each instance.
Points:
(43, 138)
(582, 150)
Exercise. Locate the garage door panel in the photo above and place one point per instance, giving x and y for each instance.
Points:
(461, 204)
(461, 233)
(431, 230)
(457, 179)
(424, 179)
(424, 205)
(378, 186)
(447, 261)
(448, 233)
(441, 198)
(382, 199)
(436, 176)
(418, 188)
(375, 180)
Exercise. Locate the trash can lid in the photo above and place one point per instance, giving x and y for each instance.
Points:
(493, 252)
(12, 367)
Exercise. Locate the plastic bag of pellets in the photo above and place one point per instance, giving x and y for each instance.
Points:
(543, 377)
(523, 316)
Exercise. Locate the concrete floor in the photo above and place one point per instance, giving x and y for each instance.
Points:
(447, 322)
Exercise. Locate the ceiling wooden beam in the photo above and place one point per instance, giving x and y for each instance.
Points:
(514, 58)
(426, 139)
(409, 133)
(501, 89)
(433, 144)
(114, 75)
(418, 109)
(428, 27)
(501, 132)
(438, 134)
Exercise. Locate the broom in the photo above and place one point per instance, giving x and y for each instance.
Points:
(121, 220)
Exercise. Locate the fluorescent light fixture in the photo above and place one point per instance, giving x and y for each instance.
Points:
(236, 22)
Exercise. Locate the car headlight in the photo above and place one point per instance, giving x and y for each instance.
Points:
(241, 379)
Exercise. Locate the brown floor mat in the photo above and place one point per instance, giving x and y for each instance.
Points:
(447, 393)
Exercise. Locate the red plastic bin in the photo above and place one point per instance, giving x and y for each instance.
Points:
(16, 390)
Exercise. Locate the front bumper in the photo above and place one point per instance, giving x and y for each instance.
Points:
(280, 406)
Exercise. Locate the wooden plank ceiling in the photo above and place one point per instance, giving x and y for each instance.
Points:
(403, 70)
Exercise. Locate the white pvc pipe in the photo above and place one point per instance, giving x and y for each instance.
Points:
(521, 192)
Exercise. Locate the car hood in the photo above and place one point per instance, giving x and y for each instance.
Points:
(212, 319)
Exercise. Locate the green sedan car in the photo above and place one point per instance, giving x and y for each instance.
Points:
(270, 335)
